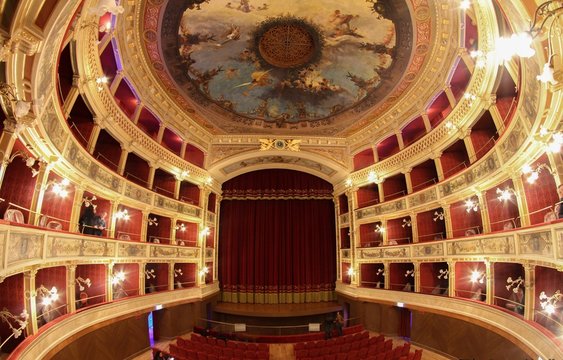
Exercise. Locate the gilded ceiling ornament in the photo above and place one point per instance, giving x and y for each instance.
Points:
(278, 144)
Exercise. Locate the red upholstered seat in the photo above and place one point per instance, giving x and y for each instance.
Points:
(406, 349)
(388, 345)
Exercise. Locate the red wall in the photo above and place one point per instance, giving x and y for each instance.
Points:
(395, 231)
(463, 286)
(97, 275)
(131, 227)
(429, 282)
(368, 195)
(542, 193)
(424, 175)
(56, 206)
(398, 280)
(363, 159)
(428, 228)
(130, 286)
(394, 187)
(463, 221)
(188, 277)
(12, 298)
(502, 213)
(49, 277)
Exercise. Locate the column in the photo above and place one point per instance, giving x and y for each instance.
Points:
(71, 288)
(144, 226)
(31, 296)
(387, 277)
(152, 170)
(466, 58)
(116, 81)
(557, 166)
(490, 289)
(93, 139)
(142, 278)
(137, 113)
(112, 219)
(72, 96)
(451, 278)
(216, 240)
(438, 164)
(399, 136)
(482, 197)
(7, 140)
(450, 95)
(448, 221)
(521, 200)
(183, 149)
(416, 276)
(384, 233)
(171, 276)
(38, 193)
(375, 154)
(408, 180)
(173, 230)
(160, 134)
(380, 192)
(497, 118)
(76, 207)
(177, 186)
(109, 281)
(426, 121)
(469, 147)
(414, 228)
(529, 291)
(122, 159)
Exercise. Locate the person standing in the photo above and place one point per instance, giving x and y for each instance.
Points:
(100, 224)
(339, 323)
(560, 204)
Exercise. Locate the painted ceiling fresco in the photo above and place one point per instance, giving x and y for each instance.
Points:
(287, 62)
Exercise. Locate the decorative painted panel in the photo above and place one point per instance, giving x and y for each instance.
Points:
(390, 207)
(53, 127)
(69, 247)
(163, 251)
(513, 141)
(345, 254)
(370, 253)
(209, 254)
(344, 219)
(501, 245)
(363, 213)
(396, 252)
(475, 173)
(138, 193)
(422, 197)
(82, 161)
(24, 246)
(539, 243)
(428, 250)
(188, 253)
(131, 250)
(559, 237)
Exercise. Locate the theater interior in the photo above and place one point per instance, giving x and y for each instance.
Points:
(218, 179)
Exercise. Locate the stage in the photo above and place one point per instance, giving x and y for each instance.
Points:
(277, 310)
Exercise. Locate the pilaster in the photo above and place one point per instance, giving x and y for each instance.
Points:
(31, 300)
(109, 281)
(71, 288)
(529, 291)
(482, 198)
(38, 193)
(451, 278)
(448, 221)
(416, 276)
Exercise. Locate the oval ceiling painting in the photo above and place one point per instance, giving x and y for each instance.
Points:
(257, 60)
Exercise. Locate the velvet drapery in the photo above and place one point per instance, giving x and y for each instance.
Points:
(277, 239)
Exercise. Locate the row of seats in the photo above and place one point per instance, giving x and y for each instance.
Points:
(208, 348)
(383, 351)
(361, 337)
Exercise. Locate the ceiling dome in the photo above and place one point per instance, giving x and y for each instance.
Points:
(285, 67)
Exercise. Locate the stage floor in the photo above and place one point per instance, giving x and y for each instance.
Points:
(277, 310)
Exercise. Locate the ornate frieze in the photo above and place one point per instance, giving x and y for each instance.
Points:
(73, 247)
(425, 250)
(538, 243)
(482, 246)
(132, 250)
(344, 219)
(422, 197)
(138, 193)
(476, 173)
(57, 134)
(23, 246)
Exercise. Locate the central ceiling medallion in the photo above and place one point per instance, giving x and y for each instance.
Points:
(287, 42)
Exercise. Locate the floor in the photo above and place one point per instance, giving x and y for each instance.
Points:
(285, 351)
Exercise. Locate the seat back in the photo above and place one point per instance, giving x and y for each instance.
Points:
(14, 215)
(54, 225)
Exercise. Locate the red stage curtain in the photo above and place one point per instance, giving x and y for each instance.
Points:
(277, 251)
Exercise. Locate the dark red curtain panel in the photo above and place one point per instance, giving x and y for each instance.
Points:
(281, 249)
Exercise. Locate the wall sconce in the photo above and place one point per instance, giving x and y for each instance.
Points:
(443, 273)
(451, 127)
(105, 28)
(153, 221)
(470, 204)
(552, 140)
(380, 229)
(118, 278)
(150, 274)
(380, 271)
(478, 277)
(208, 181)
(105, 6)
(205, 232)
(178, 272)
(16, 323)
(373, 178)
(101, 81)
(47, 296)
(185, 174)
(90, 202)
(548, 303)
(409, 273)
(81, 282)
(438, 215)
(181, 227)
(533, 175)
(122, 215)
(351, 272)
(19, 107)
(514, 284)
(59, 188)
(506, 194)
(406, 222)
(204, 271)
(464, 4)
(349, 183)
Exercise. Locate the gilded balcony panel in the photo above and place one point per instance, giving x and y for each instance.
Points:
(138, 193)
(23, 247)
(502, 245)
(536, 243)
(65, 246)
(501, 321)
